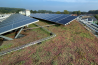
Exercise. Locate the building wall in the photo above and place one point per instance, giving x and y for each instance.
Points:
(26, 12)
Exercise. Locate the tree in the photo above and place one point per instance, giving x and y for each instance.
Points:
(10, 10)
(74, 12)
(66, 12)
(84, 12)
(78, 12)
(93, 12)
(34, 11)
(31, 11)
(58, 12)
(18, 11)
(44, 11)
(96, 16)
(96, 12)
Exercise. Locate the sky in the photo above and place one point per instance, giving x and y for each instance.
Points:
(53, 5)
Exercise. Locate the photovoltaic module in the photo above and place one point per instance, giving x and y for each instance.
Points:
(57, 18)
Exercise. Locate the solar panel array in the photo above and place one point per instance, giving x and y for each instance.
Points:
(15, 21)
(89, 19)
(94, 19)
(57, 18)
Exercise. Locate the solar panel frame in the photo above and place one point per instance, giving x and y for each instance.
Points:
(11, 21)
(67, 20)
(15, 24)
(51, 16)
(57, 18)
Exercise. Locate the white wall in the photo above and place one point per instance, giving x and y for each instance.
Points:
(26, 12)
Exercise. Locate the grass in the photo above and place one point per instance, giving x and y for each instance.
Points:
(9, 35)
(81, 54)
(41, 31)
(73, 45)
(31, 35)
(6, 46)
(30, 26)
(54, 62)
(20, 50)
(85, 35)
(20, 63)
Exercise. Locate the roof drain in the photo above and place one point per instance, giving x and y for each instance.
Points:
(31, 43)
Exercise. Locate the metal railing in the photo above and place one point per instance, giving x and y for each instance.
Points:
(91, 26)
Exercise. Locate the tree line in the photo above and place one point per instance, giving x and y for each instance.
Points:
(93, 12)
(16, 10)
(96, 16)
(58, 12)
(41, 11)
(10, 10)
(66, 12)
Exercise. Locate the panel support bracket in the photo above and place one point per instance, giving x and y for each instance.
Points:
(18, 33)
(7, 38)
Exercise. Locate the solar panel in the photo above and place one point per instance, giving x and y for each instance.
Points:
(67, 20)
(15, 21)
(94, 18)
(51, 17)
(57, 18)
(89, 19)
(23, 23)
(44, 16)
(64, 21)
(71, 17)
(5, 23)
